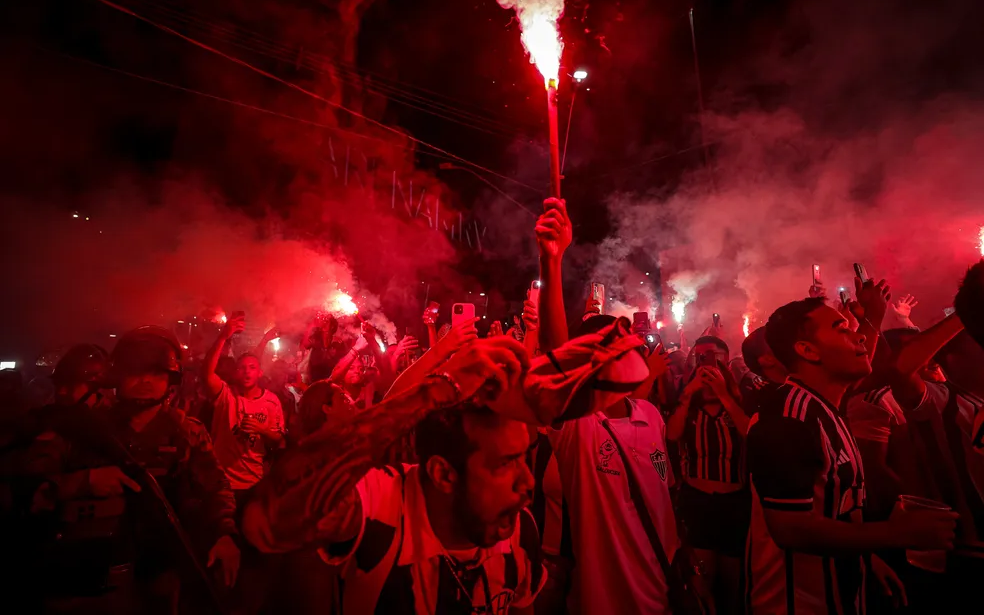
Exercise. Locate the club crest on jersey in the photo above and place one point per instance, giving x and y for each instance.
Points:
(658, 458)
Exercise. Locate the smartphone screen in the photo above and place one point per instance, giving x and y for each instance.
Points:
(717, 320)
(816, 275)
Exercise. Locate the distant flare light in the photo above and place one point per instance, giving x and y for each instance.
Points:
(382, 345)
(679, 310)
(580, 75)
(981, 242)
(341, 303)
(221, 318)
(275, 342)
(744, 325)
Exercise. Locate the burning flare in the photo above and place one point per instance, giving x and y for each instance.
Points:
(275, 342)
(744, 325)
(982, 241)
(541, 35)
(679, 310)
(341, 303)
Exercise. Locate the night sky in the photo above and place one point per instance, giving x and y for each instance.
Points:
(82, 111)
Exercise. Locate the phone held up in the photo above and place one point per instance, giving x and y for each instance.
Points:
(861, 272)
(598, 294)
(462, 312)
(717, 320)
(535, 292)
(845, 297)
(816, 276)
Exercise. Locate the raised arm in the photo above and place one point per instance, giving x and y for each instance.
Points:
(260, 350)
(213, 383)
(310, 494)
(553, 236)
(459, 335)
(907, 387)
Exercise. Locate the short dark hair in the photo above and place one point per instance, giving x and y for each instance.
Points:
(753, 348)
(715, 341)
(442, 434)
(788, 325)
(969, 302)
(247, 355)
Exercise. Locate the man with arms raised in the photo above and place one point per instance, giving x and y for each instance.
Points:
(446, 536)
(807, 537)
(248, 422)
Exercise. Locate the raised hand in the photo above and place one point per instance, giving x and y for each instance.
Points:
(235, 324)
(499, 359)
(495, 329)
(459, 335)
(873, 300)
(407, 345)
(530, 317)
(553, 229)
(903, 307)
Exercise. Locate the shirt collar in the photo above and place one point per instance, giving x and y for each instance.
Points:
(419, 541)
(638, 415)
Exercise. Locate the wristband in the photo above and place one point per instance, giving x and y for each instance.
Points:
(446, 377)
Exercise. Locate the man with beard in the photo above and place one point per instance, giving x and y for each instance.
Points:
(807, 535)
(248, 421)
(106, 482)
(446, 536)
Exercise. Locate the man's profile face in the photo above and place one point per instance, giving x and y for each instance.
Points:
(497, 484)
(248, 372)
(838, 349)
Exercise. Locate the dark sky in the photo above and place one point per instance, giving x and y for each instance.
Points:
(76, 124)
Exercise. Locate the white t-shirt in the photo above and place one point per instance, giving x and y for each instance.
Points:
(874, 414)
(617, 570)
(239, 454)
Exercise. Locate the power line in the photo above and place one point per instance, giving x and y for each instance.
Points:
(382, 86)
(294, 86)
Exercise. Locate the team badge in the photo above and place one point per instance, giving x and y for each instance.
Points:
(658, 458)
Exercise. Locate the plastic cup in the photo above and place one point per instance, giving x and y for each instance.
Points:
(932, 561)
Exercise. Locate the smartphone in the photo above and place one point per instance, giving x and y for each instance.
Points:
(535, 292)
(434, 307)
(706, 360)
(861, 272)
(598, 294)
(845, 297)
(640, 322)
(654, 342)
(717, 320)
(816, 275)
(461, 312)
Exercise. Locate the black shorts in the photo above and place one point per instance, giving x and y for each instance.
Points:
(716, 521)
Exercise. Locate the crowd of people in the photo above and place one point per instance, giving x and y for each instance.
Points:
(832, 464)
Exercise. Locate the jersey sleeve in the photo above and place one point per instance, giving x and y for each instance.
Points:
(869, 421)
(224, 417)
(784, 459)
(381, 495)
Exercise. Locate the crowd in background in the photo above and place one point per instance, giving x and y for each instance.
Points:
(834, 463)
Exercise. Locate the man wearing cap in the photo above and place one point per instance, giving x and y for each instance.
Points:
(105, 482)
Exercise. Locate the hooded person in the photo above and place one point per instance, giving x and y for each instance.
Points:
(581, 392)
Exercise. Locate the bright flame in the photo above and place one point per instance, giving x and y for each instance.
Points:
(679, 310)
(341, 303)
(541, 35)
(982, 240)
(221, 318)
(744, 325)
(659, 324)
(275, 342)
(382, 344)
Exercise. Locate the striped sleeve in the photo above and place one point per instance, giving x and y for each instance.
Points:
(784, 454)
